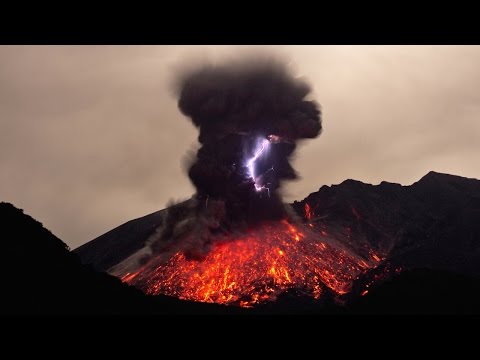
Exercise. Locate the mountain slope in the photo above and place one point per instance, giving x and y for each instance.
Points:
(432, 223)
(104, 251)
(41, 276)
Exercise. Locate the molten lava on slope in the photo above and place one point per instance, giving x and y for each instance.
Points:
(256, 267)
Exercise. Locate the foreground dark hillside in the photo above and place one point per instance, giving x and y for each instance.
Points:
(422, 291)
(41, 276)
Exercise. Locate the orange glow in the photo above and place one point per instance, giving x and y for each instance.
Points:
(308, 211)
(364, 292)
(127, 277)
(376, 257)
(255, 268)
(355, 212)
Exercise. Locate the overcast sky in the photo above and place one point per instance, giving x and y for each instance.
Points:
(90, 136)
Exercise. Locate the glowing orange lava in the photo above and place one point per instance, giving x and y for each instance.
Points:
(308, 211)
(254, 268)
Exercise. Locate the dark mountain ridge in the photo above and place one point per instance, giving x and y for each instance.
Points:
(432, 223)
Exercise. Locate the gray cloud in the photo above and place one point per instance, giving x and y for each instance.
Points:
(90, 136)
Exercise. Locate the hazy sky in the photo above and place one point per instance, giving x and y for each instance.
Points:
(90, 136)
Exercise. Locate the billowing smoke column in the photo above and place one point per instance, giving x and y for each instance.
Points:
(250, 115)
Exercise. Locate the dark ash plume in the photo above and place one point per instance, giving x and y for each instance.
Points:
(237, 107)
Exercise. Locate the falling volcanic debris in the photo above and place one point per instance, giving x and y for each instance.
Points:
(235, 242)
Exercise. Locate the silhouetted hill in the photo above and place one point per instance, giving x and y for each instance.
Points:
(41, 276)
(421, 291)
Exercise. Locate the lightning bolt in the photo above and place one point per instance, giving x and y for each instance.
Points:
(251, 164)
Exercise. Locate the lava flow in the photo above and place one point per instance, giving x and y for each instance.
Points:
(255, 268)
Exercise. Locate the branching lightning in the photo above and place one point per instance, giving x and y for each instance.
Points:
(251, 165)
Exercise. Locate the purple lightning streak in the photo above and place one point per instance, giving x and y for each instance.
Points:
(250, 164)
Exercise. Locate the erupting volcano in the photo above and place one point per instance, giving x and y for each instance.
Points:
(235, 241)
